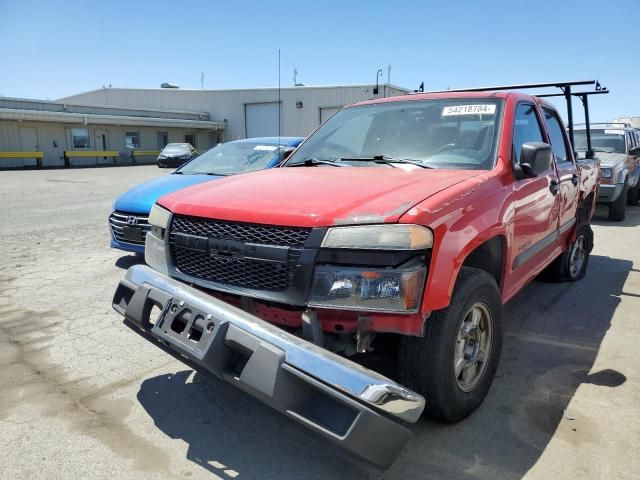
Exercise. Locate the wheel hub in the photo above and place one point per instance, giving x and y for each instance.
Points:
(578, 255)
(473, 347)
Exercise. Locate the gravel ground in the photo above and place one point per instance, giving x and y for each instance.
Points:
(83, 397)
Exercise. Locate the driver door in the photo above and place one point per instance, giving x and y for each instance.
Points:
(536, 203)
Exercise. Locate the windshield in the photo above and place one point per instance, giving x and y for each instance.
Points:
(176, 149)
(229, 158)
(449, 134)
(609, 141)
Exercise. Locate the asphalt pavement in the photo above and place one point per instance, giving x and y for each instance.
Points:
(83, 397)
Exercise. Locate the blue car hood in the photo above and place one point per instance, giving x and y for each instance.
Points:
(141, 198)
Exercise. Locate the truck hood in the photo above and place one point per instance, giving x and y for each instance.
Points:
(141, 198)
(315, 196)
(610, 159)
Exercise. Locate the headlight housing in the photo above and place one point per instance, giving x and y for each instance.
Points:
(368, 289)
(159, 217)
(394, 236)
(606, 172)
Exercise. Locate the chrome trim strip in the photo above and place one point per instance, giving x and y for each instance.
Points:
(567, 225)
(534, 249)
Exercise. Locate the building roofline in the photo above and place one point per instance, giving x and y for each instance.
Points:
(89, 105)
(101, 119)
(301, 87)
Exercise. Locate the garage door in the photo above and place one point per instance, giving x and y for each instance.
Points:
(261, 119)
(326, 112)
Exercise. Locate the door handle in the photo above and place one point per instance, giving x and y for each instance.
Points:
(574, 179)
(554, 186)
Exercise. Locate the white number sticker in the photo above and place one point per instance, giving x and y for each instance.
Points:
(487, 109)
(265, 148)
(614, 132)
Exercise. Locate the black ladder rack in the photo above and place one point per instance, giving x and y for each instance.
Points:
(567, 93)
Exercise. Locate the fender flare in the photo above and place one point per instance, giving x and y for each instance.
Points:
(444, 274)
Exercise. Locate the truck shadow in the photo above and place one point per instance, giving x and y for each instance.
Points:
(126, 261)
(552, 336)
(601, 217)
(230, 433)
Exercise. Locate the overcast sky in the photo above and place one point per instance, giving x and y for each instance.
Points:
(57, 48)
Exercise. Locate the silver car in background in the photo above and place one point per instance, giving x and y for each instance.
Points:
(617, 146)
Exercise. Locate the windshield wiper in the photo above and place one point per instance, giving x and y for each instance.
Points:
(384, 159)
(218, 174)
(312, 162)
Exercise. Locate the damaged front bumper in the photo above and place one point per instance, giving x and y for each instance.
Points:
(352, 406)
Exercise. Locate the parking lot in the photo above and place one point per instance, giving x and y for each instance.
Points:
(83, 397)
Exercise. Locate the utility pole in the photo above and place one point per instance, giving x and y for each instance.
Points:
(279, 103)
(201, 80)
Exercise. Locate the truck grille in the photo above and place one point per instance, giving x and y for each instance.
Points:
(237, 271)
(243, 232)
(135, 222)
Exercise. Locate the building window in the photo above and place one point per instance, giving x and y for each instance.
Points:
(190, 138)
(132, 139)
(163, 139)
(80, 137)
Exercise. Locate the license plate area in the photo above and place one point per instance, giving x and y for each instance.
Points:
(132, 234)
(187, 326)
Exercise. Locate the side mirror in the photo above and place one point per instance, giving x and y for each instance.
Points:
(635, 151)
(535, 158)
(285, 153)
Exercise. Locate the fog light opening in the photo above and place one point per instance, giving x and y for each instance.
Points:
(154, 315)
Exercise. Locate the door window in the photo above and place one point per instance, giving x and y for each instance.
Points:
(80, 137)
(557, 136)
(631, 140)
(190, 138)
(526, 128)
(132, 139)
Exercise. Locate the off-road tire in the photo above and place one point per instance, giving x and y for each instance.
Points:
(618, 208)
(561, 270)
(632, 195)
(426, 364)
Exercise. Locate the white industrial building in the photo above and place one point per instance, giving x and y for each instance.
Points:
(246, 112)
(113, 125)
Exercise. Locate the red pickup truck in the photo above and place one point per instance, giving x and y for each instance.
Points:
(401, 224)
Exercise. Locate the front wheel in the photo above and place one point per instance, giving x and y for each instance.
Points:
(453, 365)
(632, 195)
(617, 208)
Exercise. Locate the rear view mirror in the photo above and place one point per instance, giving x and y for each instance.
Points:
(635, 151)
(535, 158)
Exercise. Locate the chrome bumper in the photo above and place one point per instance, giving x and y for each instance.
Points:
(609, 193)
(339, 399)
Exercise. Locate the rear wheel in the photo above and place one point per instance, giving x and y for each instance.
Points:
(617, 208)
(572, 264)
(453, 365)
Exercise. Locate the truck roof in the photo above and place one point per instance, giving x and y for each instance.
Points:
(455, 95)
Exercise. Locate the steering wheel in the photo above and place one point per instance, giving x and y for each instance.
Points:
(445, 147)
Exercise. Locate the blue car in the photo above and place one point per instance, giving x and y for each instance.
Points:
(128, 221)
